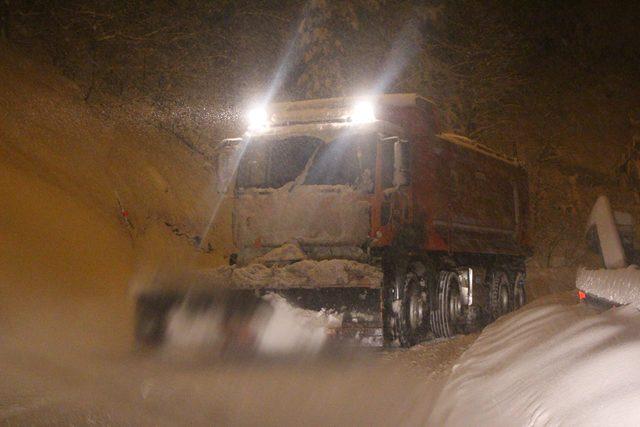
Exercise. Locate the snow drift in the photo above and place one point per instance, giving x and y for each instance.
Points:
(549, 365)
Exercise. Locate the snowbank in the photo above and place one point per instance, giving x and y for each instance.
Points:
(548, 365)
(112, 163)
(69, 176)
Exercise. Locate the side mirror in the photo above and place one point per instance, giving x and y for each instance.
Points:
(227, 159)
(401, 158)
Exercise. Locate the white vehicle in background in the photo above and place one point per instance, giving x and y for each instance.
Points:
(610, 234)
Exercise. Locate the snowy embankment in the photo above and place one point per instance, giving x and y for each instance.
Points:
(548, 365)
(91, 202)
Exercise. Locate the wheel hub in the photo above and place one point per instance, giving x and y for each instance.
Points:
(519, 296)
(504, 299)
(416, 310)
(455, 306)
(518, 291)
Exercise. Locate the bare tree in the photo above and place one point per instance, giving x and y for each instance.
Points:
(5, 17)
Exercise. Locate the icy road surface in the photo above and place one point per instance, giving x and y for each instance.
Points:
(73, 381)
(553, 363)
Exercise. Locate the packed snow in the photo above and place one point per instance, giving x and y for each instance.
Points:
(291, 329)
(304, 274)
(548, 365)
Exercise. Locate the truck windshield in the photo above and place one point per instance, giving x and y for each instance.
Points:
(345, 161)
(273, 163)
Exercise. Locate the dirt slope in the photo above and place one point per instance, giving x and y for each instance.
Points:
(66, 173)
(46, 128)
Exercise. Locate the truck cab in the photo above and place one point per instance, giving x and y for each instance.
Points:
(326, 187)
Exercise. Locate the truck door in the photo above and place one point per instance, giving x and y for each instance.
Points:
(390, 204)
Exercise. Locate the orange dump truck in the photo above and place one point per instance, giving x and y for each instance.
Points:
(362, 207)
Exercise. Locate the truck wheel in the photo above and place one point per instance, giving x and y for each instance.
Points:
(411, 315)
(519, 295)
(500, 294)
(447, 310)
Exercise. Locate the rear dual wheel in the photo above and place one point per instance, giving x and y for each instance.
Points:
(501, 292)
(506, 292)
(445, 317)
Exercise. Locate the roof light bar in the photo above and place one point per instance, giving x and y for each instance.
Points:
(257, 118)
(363, 112)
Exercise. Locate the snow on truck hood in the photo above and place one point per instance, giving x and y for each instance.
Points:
(548, 365)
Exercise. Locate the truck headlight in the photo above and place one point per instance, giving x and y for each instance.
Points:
(257, 118)
(363, 112)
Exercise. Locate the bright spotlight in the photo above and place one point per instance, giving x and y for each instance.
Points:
(257, 118)
(363, 112)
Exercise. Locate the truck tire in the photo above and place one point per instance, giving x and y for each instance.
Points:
(447, 309)
(500, 294)
(519, 294)
(412, 312)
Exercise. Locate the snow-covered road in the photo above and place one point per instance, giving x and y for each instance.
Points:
(553, 363)
(67, 385)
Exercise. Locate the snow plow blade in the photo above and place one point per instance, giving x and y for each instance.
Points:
(245, 318)
(339, 300)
